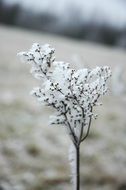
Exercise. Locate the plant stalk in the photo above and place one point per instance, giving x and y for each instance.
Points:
(77, 182)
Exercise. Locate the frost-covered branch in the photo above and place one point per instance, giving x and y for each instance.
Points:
(71, 93)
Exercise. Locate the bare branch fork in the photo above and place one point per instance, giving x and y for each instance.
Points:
(71, 93)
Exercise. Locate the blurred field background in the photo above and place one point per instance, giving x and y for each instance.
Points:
(33, 155)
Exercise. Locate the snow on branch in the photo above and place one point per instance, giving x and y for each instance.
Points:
(72, 93)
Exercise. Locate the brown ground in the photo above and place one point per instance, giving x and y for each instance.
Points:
(33, 155)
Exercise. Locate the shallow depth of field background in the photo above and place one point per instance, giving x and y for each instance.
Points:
(34, 155)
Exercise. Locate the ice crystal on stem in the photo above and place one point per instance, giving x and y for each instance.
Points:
(72, 93)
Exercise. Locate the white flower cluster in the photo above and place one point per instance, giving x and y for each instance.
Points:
(72, 94)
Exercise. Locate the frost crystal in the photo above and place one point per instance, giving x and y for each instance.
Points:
(72, 94)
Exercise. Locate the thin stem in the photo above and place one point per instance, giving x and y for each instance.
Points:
(77, 182)
(88, 130)
(71, 131)
(87, 133)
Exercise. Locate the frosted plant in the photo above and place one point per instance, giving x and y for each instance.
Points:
(71, 93)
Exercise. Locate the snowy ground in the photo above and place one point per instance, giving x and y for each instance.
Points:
(33, 156)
